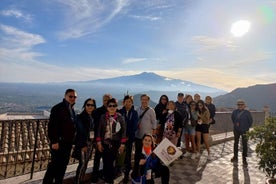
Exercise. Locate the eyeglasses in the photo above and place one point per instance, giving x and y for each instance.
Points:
(240, 104)
(112, 105)
(90, 105)
(72, 96)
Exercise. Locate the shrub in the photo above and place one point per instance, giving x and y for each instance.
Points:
(265, 136)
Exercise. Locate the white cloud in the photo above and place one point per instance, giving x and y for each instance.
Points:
(17, 14)
(86, 17)
(150, 18)
(16, 51)
(15, 38)
(133, 60)
(209, 43)
(38, 72)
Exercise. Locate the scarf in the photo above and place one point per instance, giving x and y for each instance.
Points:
(147, 150)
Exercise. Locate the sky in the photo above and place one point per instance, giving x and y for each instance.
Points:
(78, 40)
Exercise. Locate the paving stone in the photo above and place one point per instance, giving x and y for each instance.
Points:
(200, 171)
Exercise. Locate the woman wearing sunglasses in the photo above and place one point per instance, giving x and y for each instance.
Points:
(84, 136)
(111, 138)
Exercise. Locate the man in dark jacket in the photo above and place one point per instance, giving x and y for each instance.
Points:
(98, 155)
(61, 133)
(242, 121)
(131, 119)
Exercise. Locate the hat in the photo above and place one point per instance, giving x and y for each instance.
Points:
(240, 101)
(180, 94)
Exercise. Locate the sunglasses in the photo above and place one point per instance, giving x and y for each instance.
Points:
(72, 96)
(112, 105)
(90, 105)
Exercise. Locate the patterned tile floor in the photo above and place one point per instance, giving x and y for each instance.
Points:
(187, 171)
(219, 170)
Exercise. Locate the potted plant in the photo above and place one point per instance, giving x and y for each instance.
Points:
(265, 136)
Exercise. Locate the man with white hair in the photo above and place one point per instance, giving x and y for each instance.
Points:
(242, 121)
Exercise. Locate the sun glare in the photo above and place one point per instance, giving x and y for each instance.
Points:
(240, 28)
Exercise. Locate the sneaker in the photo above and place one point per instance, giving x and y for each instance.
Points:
(234, 159)
(193, 156)
(209, 157)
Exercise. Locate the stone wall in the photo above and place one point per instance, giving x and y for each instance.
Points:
(224, 122)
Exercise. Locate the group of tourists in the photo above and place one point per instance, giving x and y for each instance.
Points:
(113, 132)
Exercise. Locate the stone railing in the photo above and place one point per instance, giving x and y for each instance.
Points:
(224, 122)
(24, 147)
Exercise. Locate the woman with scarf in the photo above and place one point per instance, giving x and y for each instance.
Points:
(149, 165)
(172, 125)
(111, 138)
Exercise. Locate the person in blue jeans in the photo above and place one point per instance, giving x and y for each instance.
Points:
(242, 121)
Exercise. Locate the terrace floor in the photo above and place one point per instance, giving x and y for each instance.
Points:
(187, 171)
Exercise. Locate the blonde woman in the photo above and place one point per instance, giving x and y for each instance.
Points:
(202, 127)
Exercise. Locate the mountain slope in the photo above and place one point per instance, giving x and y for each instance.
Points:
(31, 97)
(256, 97)
(150, 81)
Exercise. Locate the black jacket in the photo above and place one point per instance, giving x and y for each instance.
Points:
(61, 127)
(97, 114)
(84, 125)
(131, 122)
(159, 111)
(116, 136)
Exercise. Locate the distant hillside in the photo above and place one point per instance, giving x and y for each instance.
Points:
(256, 97)
(35, 97)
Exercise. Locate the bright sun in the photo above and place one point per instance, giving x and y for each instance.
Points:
(240, 28)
